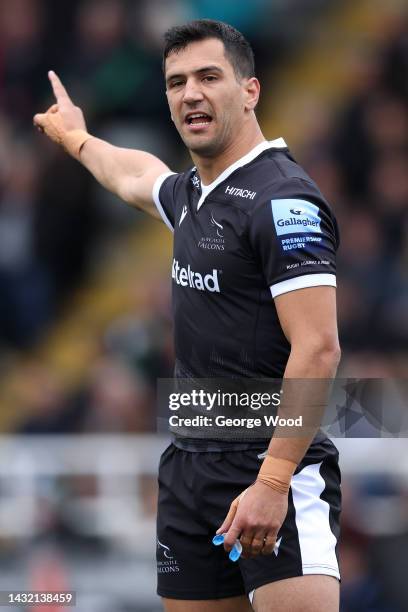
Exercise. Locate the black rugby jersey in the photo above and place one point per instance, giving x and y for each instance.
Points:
(262, 228)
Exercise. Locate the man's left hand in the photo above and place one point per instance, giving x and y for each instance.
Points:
(255, 519)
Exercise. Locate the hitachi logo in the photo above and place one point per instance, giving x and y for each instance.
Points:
(187, 278)
(242, 193)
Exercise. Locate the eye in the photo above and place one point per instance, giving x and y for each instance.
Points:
(174, 84)
(209, 78)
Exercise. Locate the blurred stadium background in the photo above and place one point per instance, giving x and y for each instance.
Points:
(85, 327)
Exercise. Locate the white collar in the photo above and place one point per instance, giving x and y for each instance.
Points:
(278, 143)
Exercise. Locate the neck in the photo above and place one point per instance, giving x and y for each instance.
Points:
(209, 168)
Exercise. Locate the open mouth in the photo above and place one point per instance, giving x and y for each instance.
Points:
(198, 119)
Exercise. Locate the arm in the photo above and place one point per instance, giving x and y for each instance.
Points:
(127, 173)
(309, 322)
(308, 319)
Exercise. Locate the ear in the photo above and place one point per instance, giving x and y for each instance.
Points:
(252, 91)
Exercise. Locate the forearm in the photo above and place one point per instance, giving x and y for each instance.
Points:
(120, 170)
(306, 386)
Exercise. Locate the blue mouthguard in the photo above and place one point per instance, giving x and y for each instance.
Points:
(235, 551)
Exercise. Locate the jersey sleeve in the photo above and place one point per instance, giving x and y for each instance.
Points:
(164, 197)
(295, 237)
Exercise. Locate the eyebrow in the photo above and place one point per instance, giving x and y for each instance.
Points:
(199, 71)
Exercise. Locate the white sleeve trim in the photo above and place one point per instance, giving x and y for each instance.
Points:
(301, 282)
(155, 194)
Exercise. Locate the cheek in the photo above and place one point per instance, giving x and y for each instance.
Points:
(232, 113)
(172, 109)
(233, 107)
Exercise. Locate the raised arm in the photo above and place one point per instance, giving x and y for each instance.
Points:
(128, 173)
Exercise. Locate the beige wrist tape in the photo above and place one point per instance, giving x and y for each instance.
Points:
(74, 140)
(276, 473)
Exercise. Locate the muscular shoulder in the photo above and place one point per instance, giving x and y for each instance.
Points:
(273, 175)
(288, 180)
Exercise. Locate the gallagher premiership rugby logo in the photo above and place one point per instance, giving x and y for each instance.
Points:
(295, 217)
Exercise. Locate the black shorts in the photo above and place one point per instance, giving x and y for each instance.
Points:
(195, 491)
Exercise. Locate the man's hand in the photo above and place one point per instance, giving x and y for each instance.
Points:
(63, 122)
(255, 518)
(127, 173)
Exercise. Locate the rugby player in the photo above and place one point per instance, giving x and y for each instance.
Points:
(253, 266)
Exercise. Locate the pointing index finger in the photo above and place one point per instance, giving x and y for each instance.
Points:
(59, 90)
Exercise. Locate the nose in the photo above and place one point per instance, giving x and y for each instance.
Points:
(192, 92)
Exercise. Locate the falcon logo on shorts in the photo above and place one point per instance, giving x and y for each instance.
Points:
(166, 563)
(165, 549)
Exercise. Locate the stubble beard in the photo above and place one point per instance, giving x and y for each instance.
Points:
(205, 149)
(209, 148)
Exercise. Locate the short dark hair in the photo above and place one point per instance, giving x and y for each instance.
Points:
(237, 49)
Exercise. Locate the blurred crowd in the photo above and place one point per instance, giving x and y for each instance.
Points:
(360, 161)
(54, 219)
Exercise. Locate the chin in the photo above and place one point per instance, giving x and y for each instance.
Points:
(205, 148)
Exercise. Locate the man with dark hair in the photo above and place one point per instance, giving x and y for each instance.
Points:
(254, 266)
(237, 49)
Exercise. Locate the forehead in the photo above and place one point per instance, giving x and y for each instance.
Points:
(196, 55)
